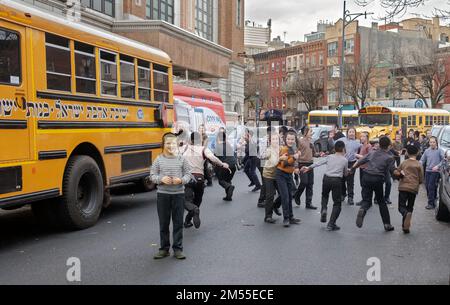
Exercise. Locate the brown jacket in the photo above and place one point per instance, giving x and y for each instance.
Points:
(287, 166)
(413, 176)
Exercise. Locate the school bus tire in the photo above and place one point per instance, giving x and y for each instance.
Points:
(82, 199)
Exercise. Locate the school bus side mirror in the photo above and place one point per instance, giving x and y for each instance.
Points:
(160, 115)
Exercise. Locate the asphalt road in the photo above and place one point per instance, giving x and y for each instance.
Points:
(233, 246)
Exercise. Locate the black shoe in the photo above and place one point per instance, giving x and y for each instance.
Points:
(388, 201)
(311, 207)
(388, 228)
(188, 224)
(360, 218)
(350, 201)
(251, 184)
(230, 191)
(257, 188)
(197, 218)
(260, 205)
(294, 221)
(226, 199)
(297, 200)
(209, 183)
(332, 227)
(269, 220)
(277, 211)
(323, 216)
(429, 207)
(286, 223)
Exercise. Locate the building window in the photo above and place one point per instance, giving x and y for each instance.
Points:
(332, 49)
(313, 60)
(273, 67)
(349, 46)
(159, 10)
(321, 59)
(204, 18)
(239, 13)
(103, 6)
(278, 67)
(332, 96)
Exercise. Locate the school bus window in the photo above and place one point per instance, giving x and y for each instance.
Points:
(85, 71)
(127, 81)
(396, 120)
(446, 120)
(420, 120)
(59, 73)
(9, 57)
(108, 73)
(428, 120)
(161, 79)
(144, 80)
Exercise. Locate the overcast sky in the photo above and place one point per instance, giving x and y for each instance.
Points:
(298, 17)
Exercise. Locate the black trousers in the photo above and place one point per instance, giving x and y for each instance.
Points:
(193, 192)
(262, 193)
(270, 188)
(348, 184)
(306, 183)
(206, 172)
(374, 184)
(333, 185)
(170, 206)
(250, 170)
(406, 202)
(225, 176)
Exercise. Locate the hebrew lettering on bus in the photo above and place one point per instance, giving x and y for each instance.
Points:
(103, 113)
(7, 107)
(66, 110)
(37, 109)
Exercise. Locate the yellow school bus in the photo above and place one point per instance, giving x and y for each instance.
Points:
(379, 121)
(330, 117)
(81, 110)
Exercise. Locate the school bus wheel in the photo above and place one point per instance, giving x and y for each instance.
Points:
(82, 198)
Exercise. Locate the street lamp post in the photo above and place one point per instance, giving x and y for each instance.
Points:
(347, 19)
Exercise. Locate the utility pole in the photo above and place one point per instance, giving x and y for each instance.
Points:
(345, 23)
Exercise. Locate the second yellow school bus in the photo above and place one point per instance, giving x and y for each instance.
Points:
(81, 110)
(379, 121)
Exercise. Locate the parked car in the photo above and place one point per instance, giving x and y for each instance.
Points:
(320, 137)
(443, 207)
(436, 130)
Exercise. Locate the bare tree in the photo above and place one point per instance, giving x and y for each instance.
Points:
(308, 87)
(398, 8)
(254, 85)
(358, 79)
(423, 75)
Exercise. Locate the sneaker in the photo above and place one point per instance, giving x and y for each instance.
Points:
(323, 216)
(161, 254)
(360, 218)
(196, 218)
(257, 188)
(350, 201)
(429, 207)
(188, 224)
(294, 221)
(179, 255)
(269, 220)
(277, 211)
(388, 228)
(332, 227)
(407, 221)
(230, 191)
(286, 223)
(311, 207)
